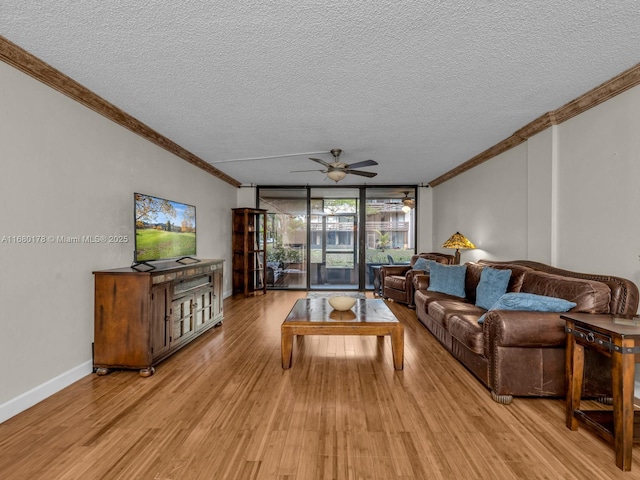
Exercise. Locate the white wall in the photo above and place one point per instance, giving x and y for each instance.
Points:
(599, 189)
(541, 159)
(246, 197)
(488, 205)
(67, 171)
(425, 220)
(569, 196)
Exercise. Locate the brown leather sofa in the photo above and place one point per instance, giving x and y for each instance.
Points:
(518, 353)
(397, 280)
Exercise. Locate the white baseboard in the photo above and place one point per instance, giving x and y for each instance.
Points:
(39, 393)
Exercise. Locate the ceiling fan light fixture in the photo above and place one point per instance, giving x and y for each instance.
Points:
(336, 175)
(408, 203)
(337, 170)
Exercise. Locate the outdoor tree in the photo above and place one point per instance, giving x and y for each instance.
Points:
(189, 219)
(148, 208)
(383, 240)
(339, 205)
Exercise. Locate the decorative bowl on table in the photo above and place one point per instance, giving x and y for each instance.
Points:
(342, 303)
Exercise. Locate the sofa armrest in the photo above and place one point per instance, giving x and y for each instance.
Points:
(525, 354)
(420, 281)
(410, 276)
(387, 270)
(392, 270)
(504, 328)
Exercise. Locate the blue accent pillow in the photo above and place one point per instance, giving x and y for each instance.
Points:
(447, 279)
(493, 284)
(530, 302)
(422, 264)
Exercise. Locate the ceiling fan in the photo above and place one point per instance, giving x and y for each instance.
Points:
(337, 170)
(408, 203)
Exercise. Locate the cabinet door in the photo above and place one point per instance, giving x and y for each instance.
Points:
(182, 315)
(160, 331)
(203, 308)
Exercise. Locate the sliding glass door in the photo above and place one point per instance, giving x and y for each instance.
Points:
(334, 239)
(286, 237)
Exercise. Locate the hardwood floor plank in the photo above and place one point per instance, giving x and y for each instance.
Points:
(272, 455)
(223, 408)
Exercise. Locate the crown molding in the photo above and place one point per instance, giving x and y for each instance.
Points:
(607, 90)
(22, 60)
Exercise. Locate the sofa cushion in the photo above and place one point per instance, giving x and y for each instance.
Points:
(422, 264)
(590, 296)
(530, 302)
(423, 298)
(474, 270)
(397, 282)
(448, 279)
(517, 273)
(465, 328)
(443, 309)
(493, 284)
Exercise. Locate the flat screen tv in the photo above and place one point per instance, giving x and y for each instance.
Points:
(164, 229)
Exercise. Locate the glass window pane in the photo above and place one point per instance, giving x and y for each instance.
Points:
(389, 230)
(286, 237)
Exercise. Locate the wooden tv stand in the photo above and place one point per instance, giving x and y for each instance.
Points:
(143, 317)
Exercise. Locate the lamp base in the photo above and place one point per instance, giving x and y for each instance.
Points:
(457, 257)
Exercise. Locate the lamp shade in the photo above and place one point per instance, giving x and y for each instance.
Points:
(457, 241)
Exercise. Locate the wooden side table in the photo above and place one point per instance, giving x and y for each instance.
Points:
(618, 339)
(377, 281)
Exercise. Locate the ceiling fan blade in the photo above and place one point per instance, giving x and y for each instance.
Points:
(364, 163)
(322, 162)
(361, 173)
(296, 171)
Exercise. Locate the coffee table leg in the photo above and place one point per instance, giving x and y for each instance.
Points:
(287, 346)
(397, 347)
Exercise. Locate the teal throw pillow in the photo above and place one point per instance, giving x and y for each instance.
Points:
(447, 279)
(493, 284)
(422, 264)
(530, 302)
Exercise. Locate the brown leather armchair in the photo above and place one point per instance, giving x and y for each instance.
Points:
(397, 280)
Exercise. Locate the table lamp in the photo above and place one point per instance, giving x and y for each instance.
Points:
(458, 241)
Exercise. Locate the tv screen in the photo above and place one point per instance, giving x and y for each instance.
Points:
(164, 229)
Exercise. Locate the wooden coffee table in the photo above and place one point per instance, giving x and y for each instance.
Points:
(314, 316)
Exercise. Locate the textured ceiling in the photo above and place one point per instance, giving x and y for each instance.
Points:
(419, 86)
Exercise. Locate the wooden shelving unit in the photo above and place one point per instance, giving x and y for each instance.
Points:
(249, 250)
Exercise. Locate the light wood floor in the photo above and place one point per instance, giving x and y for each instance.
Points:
(223, 408)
